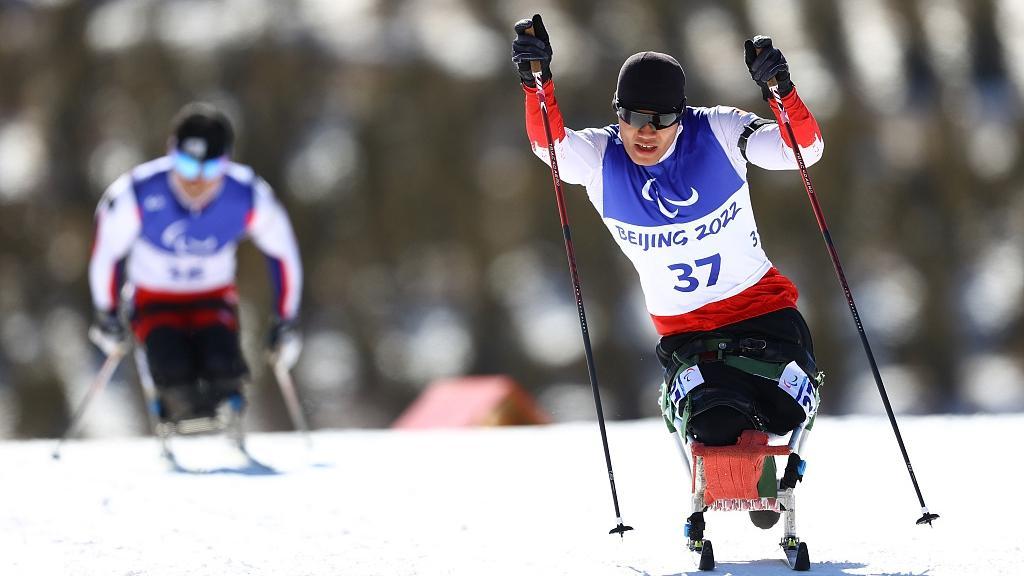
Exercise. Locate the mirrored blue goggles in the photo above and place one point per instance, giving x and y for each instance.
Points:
(640, 119)
(189, 168)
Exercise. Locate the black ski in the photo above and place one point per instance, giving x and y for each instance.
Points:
(797, 556)
(706, 560)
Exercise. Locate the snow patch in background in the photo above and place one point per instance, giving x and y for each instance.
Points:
(568, 402)
(1009, 21)
(904, 140)
(202, 26)
(323, 166)
(784, 20)
(118, 25)
(544, 318)
(455, 40)
(710, 33)
(20, 337)
(353, 29)
(892, 295)
(110, 159)
(879, 66)
(8, 410)
(994, 383)
(436, 345)
(993, 146)
(993, 292)
(903, 386)
(942, 20)
(621, 28)
(329, 363)
(24, 152)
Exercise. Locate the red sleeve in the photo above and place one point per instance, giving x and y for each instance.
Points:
(805, 127)
(534, 119)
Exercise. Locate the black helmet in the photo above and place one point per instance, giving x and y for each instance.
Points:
(651, 81)
(202, 131)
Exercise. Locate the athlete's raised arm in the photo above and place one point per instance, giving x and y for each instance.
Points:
(580, 152)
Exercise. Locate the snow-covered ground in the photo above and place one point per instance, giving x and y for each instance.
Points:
(510, 501)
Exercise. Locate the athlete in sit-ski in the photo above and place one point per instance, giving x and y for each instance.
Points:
(669, 181)
(172, 226)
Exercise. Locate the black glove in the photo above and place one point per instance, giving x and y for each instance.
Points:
(527, 49)
(108, 333)
(770, 63)
(284, 342)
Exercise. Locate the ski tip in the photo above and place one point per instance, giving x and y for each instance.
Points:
(621, 529)
(803, 558)
(927, 518)
(707, 557)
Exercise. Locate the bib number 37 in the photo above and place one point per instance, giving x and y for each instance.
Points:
(688, 282)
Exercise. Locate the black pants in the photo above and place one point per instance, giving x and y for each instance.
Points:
(184, 357)
(731, 400)
(193, 354)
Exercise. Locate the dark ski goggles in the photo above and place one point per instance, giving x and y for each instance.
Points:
(640, 119)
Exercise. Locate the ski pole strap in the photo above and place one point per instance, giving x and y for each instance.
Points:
(748, 130)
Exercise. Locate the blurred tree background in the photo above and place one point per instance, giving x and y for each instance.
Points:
(393, 132)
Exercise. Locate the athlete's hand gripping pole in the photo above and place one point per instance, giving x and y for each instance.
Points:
(537, 71)
(773, 87)
(99, 382)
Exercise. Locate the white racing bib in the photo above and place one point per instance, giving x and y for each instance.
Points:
(686, 223)
(687, 265)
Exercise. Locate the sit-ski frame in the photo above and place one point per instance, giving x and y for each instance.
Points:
(785, 503)
(228, 421)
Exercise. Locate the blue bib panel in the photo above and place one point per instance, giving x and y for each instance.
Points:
(694, 181)
(171, 227)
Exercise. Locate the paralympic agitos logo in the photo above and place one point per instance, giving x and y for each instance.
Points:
(177, 239)
(657, 197)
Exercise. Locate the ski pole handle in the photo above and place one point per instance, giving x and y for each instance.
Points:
(772, 82)
(773, 87)
(535, 66)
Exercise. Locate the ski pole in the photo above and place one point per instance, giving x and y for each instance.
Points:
(99, 382)
(926, 516)
(291, 399)
(563, 217)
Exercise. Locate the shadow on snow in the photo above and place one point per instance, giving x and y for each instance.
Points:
(251, 467)
(778, 567)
